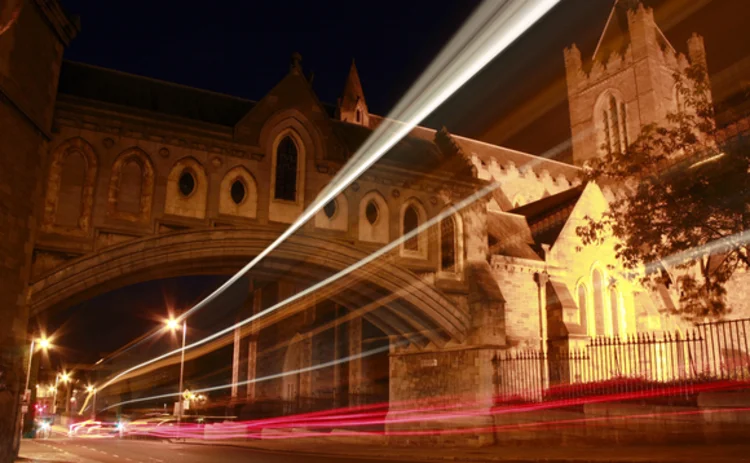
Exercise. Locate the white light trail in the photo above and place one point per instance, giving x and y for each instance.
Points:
(319, 366)
(489, 31)
(373, 256)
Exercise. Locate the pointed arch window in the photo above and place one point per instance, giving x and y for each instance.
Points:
(597, 282)
(286, 170)
(613, 125)
(411, 222)
(582, 304)
(448, 245)
(614, 303)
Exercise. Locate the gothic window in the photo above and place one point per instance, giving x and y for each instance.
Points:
(186, 183)
(187, 189)
(330, 209)
(613, 125)
(614, 116)
(371, 212)
(597, 283)
(131, 186)
(70, 197)
(582, 304)
(448, 245)
(286, 170)
(359, 116)
(238, 192)
(130, 191)
(411, 222)
(374, 226)
(614, 303)
(678, 103)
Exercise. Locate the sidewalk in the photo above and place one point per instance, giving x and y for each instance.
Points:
(521, 454)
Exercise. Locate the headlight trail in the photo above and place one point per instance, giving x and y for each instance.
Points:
(489, 31)
(494, 26)
(322, 284)
(319, 366)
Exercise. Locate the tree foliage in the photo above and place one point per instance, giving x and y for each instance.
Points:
(681, 202)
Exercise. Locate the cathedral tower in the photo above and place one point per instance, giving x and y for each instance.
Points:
(627, 83)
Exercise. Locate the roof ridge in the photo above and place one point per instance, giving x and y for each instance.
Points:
(160, 81)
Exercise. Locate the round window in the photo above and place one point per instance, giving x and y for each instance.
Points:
(330, 209)
(186, 183)
(371, 212)
(237, 191)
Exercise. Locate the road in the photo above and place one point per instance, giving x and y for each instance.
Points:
(78, 450)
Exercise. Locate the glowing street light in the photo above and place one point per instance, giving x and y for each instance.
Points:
(44, 344)
(92, 390)
(173, 325)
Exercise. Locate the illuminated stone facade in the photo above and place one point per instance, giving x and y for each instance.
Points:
(147, 179)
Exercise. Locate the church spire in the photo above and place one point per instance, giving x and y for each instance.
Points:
(352, 106)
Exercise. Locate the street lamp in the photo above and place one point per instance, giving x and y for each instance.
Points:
(92, 390)
(173, 325)
(44, 344)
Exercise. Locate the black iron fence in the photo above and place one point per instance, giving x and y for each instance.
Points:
(638, 363)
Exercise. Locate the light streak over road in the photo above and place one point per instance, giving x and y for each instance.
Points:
(490, 30)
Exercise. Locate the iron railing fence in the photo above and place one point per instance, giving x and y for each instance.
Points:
(640, 363)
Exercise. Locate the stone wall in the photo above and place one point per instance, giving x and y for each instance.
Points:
(27, 95)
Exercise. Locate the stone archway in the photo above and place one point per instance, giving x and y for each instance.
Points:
(413, 307)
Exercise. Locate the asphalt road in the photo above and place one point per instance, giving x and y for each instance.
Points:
(89, 450)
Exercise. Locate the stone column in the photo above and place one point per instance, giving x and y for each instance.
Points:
(305, 361)
(355, 362)
(240, 351)
(252, 348)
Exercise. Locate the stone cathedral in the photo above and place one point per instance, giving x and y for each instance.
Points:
(110, 179)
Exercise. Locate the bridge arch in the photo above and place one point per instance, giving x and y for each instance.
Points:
(404, 305)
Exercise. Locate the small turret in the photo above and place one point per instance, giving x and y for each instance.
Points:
(573, 65)
(352, 106)
(697, 50)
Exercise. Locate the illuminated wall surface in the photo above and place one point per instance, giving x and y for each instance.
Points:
(145, 179)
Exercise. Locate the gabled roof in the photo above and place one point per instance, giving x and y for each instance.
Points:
(411, 152)
(144, 93)
(547, 216)
(509, 235)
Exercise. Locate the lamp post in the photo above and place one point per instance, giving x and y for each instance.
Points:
(173, 325)
(92, 390)
(44, 344)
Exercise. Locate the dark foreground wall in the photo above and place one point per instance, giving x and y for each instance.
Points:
(33, 34)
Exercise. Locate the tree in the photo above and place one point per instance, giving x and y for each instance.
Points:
(681, 202)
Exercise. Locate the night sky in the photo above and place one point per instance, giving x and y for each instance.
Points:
(242, 48)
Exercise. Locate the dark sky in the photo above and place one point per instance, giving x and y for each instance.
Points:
(242, 48)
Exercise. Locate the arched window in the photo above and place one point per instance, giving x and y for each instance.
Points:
(678, 100)
(70, 200)
(613, 125)
(597, 282)
(411, 222)
(286, 170)
(130, 191)
(614, 304)
(582, 305)
(131, 186)
(448, 245)
(373, 218)
(238, 193)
